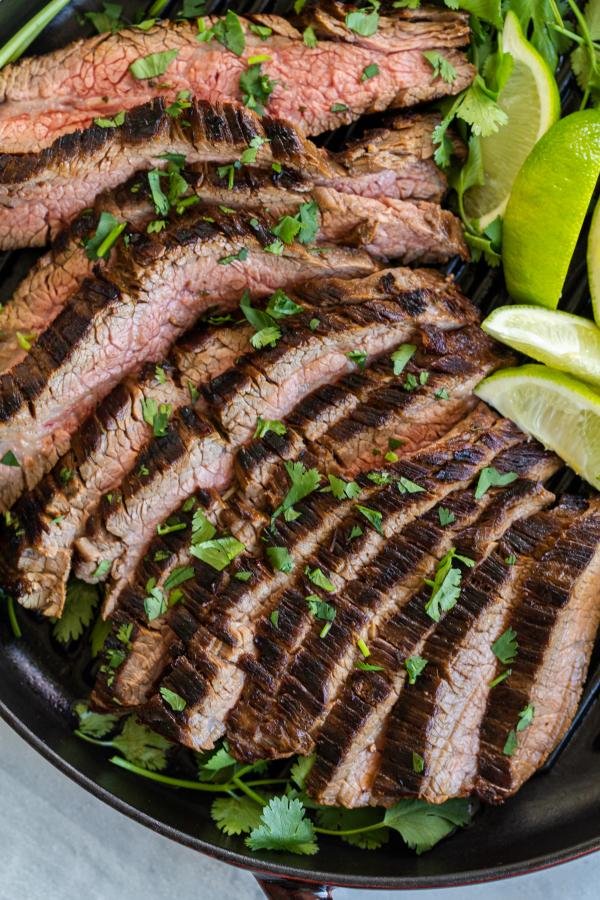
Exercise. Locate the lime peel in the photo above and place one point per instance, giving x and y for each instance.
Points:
(558, 410)
(559, 339)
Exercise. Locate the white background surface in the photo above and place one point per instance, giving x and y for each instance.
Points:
(59, 843)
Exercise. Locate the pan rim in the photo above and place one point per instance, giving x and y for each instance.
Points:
(270, 869)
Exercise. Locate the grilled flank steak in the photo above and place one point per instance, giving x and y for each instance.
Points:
(93, 78)
(41, 193)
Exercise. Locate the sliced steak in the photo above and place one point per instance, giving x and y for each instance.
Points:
(556, 618)
(53, 514)
(268, 384)
(159, 285)
(48, 96)
(220, 637)
(394, 161)
(299, 673)
(42, 192)
(439, 717)
(38, 299)
(347, 756)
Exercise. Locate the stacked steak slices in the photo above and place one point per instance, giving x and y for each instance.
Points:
(93, 78)
(221, 404)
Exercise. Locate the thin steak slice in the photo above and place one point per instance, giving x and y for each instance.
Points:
(158, 287)
(556, 619)
(43, 292)
(347, 757)
(220, 635)
(53, 514)
(439, 717)
(268, 385)
(42, 192)
(48, 96)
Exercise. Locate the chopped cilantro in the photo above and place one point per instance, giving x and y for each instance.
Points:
(338, 107)
(511, 743)
(303, 482)
(342, 490)
(418, 763)
(107, 233)
(362, 21)
(414, 666)
(274, 618)
(153, 65)
(155, 604)
(491, 477)
(172, 699)
(401, 357)
(442, 67)
(359, 357)
(318, 577)
(445, 516)
(280, 558)
(240, 256)
(446, 585)
(264, 426)
(218, 552)
(371, 515)
(406, 486)
(505, 648)
(102, 569)
(9, 459)
(117, 120)
(309, 37)
(256, 88)
(157, 415)
(369, 71)
(363, 648)
(367, 667)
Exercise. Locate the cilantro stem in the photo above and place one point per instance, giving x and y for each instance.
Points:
(19, 42)
(236, 780)
(168, 779)
(156, 8)
(335, 831)
(12, 618)
(91, 740)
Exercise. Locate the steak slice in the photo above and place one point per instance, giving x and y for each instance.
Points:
(42, 192)
(394, 161)
(347, 757)
(43, 292)
(220, 636)
(556, 618)
(439, 717)
(268, 384)
(53, 514)
(299, 673)
(158, 287)
(52, 95)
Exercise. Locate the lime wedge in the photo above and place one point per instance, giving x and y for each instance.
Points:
(558, 410)
(547, 206)
(593, 262)
(531, 101)
(559, 339)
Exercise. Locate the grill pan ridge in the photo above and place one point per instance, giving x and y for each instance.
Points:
(554, 817)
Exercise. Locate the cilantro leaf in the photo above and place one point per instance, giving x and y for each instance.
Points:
(236, 815)
(422, 825)
(338, 819)
(173, 699)
(280, 558)
(490, 477)
(263, 426)
(229, 32)
(280, 305)
(303, 482)
(371, 515)
(446, 516)
(342, 490)
(414, 666)
(446, 585)
(284, 826)
(511, 743)
(505, 648)
(93, 724)
(219, 552)
(78, 613)
(526, 717)
(256, 88)
(153, 65)
(406, 486)
(106, 234)
(401, 357)
(142, 746)
(202, 529)
(9, 459)
(370, 71)
(117, 120)
(155, 604)
(216, 764)
(442, 67)
(107, 20)
(301, 770)
(363, 22)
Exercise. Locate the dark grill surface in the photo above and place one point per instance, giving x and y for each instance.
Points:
(58, 676)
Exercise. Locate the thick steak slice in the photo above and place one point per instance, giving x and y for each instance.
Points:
(38, 299)
(347, 758)
(298, 673)
(439, 717)
(220, 636)
(42, 192)
(556, 619)
(48, 96)
(269, 385)
(159, 286)
(53, 514)
(394, 161)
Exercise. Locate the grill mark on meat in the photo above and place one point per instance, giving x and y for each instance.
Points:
(218, 637)
(51, 95)
(556, 618)
(347, 757)
(41, 295)
(103, 452)
(300, 674)
(267, 384)
(439, 717)
(109, 328)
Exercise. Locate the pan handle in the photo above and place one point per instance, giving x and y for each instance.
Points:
(286, 889)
